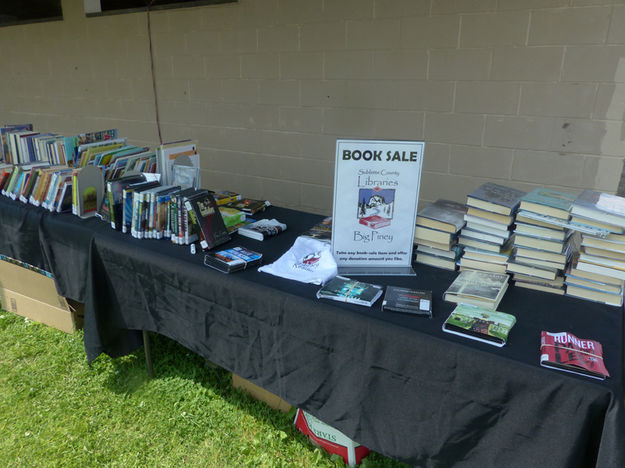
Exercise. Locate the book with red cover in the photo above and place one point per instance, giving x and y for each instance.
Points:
(375, 221)
(564, 351)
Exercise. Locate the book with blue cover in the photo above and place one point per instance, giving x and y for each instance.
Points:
(495, 198)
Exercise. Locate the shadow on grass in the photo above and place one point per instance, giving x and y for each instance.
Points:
(171, 360)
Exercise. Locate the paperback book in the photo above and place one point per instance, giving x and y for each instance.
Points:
(481, 288)
(565, 352)
(234, 259)
(409, 301)
(344, 289)
(477, 323)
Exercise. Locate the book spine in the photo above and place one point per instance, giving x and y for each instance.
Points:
(136, 200)
(185, 225)
(174, 220)
(179, 226)
(143, 215)
(126, 209)
(109, 195)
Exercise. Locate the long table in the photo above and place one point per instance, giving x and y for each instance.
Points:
(394, 382)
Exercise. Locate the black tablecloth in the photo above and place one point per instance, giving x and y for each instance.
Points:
(393, 382)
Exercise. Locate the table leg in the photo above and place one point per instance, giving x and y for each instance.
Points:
(148, 354)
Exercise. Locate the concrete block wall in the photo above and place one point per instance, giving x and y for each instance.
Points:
(523, 93)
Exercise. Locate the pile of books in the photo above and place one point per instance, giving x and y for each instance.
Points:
(598, 272)
(542, 244)
(487, 236)
(436, 234)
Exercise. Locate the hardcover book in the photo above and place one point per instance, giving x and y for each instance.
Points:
(203, 210)
(231, 216)
(322, 230)
(476, 323)
(5, 152)
(410, 301)
(234, 259)
(344, 289)
(592, 294)
(444, 215)
(565, 352)
(494, 197)
(436, 261)
(114, 193)
(249, 205)
(224, 197)
(375, 222)
(262, 229)
(467, 263)
(481, 288)
(433, 235)
(548, 202)
(601, 207)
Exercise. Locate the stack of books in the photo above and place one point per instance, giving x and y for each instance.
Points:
(598, 272)
(487, 237)
(542, 244)
(436, 234)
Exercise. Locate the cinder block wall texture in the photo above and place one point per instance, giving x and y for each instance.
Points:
(524, 93)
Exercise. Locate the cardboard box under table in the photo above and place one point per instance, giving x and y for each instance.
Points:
(32, 294)
(259, 393)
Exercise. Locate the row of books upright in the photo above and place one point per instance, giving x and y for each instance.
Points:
(545, 239)
(146, 209)
(63, 173)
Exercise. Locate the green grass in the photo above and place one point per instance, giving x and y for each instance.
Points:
(55, 410)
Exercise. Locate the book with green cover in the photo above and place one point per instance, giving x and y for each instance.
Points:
(476, 323)
(548, 202)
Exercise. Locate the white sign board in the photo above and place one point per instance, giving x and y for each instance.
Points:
(376, 191)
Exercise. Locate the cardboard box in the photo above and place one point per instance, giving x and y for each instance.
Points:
(31, 294)
(28, 282)
(330, 439)
(260, 394)
(62, 317)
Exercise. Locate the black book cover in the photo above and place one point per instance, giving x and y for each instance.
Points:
(203, 211)
(411, 301)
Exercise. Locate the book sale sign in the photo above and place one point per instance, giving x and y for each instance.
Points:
(376, 192)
